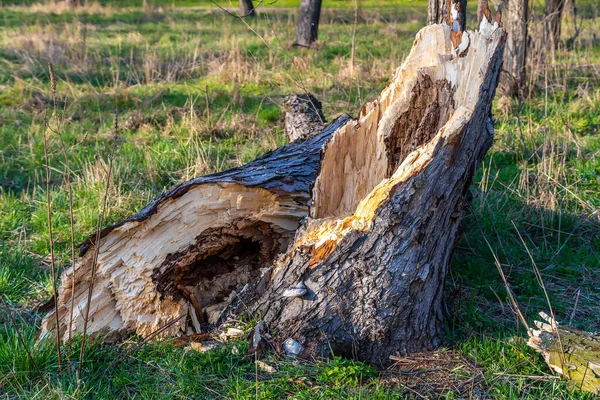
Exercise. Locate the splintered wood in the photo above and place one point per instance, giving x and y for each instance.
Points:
(188, 251)
(364, 273)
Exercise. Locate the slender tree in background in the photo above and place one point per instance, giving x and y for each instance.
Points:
(308, 22)
(552, 20)
(437, 12)
(512, 79)
(570, 13)
(247, 8)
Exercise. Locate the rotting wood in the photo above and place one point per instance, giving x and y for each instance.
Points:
(570, 353)
(364, 274)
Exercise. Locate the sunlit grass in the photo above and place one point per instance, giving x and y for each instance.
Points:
(198, 92)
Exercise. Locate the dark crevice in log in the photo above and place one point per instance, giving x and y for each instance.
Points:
(221, 261)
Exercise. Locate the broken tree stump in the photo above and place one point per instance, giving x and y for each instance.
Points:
(387, 202)
(364, 274)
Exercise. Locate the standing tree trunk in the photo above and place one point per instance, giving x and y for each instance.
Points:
(365, 272)
(247, 8)
(553, 11)
(308, 22)
(570, 11)
(513, 75)
(439, 11)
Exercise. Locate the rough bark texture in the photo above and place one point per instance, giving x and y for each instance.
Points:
(247, 8)
(193, 245)
(438, 12)
(303, 116)
(374, 265)
(512, 79)
(364, 274)
(553, 11)
(308, 22)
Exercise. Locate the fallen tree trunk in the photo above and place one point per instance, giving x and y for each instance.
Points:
(191, 246)
(364, 275)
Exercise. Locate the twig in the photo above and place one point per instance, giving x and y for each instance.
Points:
(541, 282)
(49, 215)
(67, 177)
(97, 246)
(575, 307)
(587, 366)
(353, 51)
(512, 299)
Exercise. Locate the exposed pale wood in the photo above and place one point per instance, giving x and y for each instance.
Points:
(439, 11)
(571, 353)
(206, 235)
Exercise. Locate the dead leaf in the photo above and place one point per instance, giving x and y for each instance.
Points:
(202, 347)
(265, 367)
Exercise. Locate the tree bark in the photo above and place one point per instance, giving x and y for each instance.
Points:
(553, 12)
(247, 8)
(439, 11)
(308, 22)
(303, 116)
(364, 274)
(513, 75)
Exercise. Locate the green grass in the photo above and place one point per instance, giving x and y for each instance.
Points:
(198, 92)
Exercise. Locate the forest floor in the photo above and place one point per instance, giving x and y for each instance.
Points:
(198, 91)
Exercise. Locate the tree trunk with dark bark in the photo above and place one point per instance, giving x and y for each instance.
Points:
(513, 75)
(303, 116)
(553, 12)
(439, 11)
(364, 273)
(247, 8)
(374, 254)
(308, 22)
